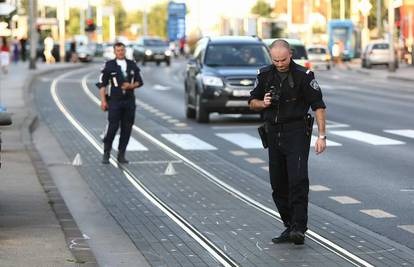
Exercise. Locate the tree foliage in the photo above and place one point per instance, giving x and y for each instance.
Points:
(261, 8)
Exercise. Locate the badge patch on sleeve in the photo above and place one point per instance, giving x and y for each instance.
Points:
(314, 84)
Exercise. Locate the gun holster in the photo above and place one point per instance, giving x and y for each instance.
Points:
(263, 134)
(309, 124)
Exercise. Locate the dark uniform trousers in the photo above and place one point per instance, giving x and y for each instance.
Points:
(121, 113)
(288, 168)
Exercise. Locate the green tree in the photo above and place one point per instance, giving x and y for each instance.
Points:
(73, 24)
(120, 16)
(157, 20)
(261, 8)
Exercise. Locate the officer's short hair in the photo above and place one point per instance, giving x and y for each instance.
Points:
(118, 44)
(281, 43)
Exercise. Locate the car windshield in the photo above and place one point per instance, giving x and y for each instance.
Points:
(155, 42)
(237, 55)
(380, 46)
(316, 50)
(299, 52)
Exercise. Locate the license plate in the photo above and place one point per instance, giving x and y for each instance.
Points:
(241, 93)
(158, 56)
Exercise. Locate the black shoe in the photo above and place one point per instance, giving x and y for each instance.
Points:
(105, 158)
(121, 158)
(297, 237)
(284, 237)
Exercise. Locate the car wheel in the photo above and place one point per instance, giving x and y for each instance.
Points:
(368, 65)
(190, 113)
(143, 62)
(202, 115)
(168, 62)
(328, 67)
(158, 63)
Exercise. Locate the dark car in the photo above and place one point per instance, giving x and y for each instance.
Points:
(221, 75)
(152, 49)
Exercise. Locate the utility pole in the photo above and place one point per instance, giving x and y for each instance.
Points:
(379, 18)
(62, 30)
(342, 9)
(33, 33)
(391, 21)
(99, 23)
(145, 19)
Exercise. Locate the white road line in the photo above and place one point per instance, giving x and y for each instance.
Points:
(238, 152)
(266, 168)
(367, 138)
(408, 228)
(254, 160)
(406, 132)
(315, 237)
(328, 142)
(319, 188)
(188, 142)
(133, 144)
(345, 200)
(219, 255)
(242, 140)
(377, 213)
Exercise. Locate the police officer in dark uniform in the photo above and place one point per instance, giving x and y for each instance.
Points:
(124, 77)
(284, 91)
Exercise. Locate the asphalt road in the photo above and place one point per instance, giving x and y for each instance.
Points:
(362, 189)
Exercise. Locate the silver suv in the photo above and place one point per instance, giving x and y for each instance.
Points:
(377, 53)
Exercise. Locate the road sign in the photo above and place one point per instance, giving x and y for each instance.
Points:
(176, 21)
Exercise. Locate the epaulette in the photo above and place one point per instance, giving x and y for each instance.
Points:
(264, 69)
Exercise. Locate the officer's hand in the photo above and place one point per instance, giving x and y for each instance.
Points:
(320, 146)
(267, 101)
(125, 86)
(104, 105)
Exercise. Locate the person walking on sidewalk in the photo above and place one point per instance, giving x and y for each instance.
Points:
(124, 77)
(4, 56)
(285, 91)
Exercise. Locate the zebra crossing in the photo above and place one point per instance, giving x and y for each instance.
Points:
(243, 140)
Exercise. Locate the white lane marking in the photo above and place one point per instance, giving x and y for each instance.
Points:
(319, 188)
(367, 138)
(377, 213)
(160, 87)
(266, 168)
(133, 144)
(188, 142)
(345, 200)
(242, 140)
(315, 237)
(238, 152)
(408, 228)
(216, 252)
(406, 132)
(180, 124)
(254, 160)
(328, 142)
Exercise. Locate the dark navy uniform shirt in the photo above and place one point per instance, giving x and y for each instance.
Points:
(298, 92)
(113, 75)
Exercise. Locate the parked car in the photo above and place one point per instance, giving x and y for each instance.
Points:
(319, 56)
(108, 51)
(152, 49)
(221, 74)
(85, 53)
(377, 53)
(299, 54)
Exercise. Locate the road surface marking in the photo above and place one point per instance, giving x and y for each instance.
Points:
(188, 142)
(377, 213)
(242, 140)
(367, 138)
(133, 144)
(238, 152)
(319, 188)
(345, 200)
(406, 133)
(254, 160)
(409, 228)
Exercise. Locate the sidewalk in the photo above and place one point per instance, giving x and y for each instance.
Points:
(30, 232)
(403, 73)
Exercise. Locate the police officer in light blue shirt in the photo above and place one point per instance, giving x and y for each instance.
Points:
(124, 77)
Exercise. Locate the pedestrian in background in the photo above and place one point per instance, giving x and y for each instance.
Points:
(4, 56)
(49, 43)
(16, 50)
(23, 49)
(284, 92)
(124, 77)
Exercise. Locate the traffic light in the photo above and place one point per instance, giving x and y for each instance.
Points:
(90, 25)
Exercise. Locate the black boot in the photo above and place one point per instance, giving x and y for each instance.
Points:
(298, 237)
(105, 157)
(284, 237)
(121, 158)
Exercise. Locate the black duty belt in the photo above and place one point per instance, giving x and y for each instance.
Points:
(286, 126)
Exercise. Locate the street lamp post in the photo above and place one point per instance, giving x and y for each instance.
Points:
(33, 33)
(365, 6)
(391, 21)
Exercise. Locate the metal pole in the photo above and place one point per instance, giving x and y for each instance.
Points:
(33, 33)
(62, 30)
(289, 12)
(391, 21)
(145, 18)
(112, 33)
(82, 21)
(379, 18)
(342, 9)
(99, 23)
